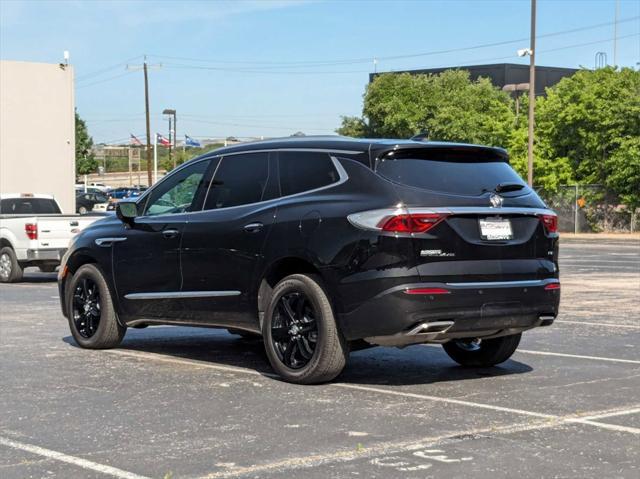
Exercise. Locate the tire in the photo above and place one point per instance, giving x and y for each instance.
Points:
(485, 353)
(48, 268)
(10, 269)
(96, 327)
(309, 325)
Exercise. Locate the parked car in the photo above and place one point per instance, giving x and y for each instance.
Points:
(86, 201)
(101, 186)
(119, 193)
(322, 246)
(34, 232)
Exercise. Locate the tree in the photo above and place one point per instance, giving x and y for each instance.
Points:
(591, 120)
(450, 106)
(85, 161)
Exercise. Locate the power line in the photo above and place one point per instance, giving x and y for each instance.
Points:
(85, 85)
(86, 76)
(315, 63)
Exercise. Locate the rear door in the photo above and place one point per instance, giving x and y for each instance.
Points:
(222, 245)
(479, 221)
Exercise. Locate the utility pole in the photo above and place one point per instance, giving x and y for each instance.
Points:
(145, 68)
(532, 93)
(615, 35)
(146, 110)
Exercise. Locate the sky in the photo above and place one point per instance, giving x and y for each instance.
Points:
(272, 68)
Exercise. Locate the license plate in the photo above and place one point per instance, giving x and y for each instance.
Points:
(495, 229)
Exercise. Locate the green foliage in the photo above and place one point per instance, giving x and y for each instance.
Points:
(591, 121)
(449, 106)
(85, 161)
(587, 126)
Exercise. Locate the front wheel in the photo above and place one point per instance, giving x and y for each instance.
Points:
(476, 352)
(300, 333)
(92, 318)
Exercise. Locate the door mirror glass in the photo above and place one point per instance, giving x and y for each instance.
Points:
(126, 210)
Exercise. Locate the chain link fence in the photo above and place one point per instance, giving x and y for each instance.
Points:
(590, 209)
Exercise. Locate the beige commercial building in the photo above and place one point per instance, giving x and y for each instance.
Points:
(37, 130)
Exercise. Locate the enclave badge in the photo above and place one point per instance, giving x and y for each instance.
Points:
(496, 200)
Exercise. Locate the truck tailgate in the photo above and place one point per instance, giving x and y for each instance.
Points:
(56, 231)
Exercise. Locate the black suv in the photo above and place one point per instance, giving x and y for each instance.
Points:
(324, 245)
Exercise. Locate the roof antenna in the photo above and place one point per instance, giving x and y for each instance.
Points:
(422, 136)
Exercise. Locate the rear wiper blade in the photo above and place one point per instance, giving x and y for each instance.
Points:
(505, 187)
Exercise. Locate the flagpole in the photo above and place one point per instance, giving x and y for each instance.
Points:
(155, 158)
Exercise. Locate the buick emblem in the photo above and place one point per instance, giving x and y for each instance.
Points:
(496, 200)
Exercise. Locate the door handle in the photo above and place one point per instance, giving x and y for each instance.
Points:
(171, 233)
(253, 227)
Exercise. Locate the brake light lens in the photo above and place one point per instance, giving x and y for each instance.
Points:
(411, 223)
(32, 230)
(552, 287)
(550, 223)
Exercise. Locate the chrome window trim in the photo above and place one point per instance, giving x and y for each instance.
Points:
(182, 294)
(342, 178)
(490, 210)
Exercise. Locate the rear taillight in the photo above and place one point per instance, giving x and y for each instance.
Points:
(552, 287)
(411, 223)
(398, 220)
(550, 223)
(32, 230)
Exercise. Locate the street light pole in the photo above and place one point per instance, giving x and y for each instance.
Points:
(532, 93)
(146, 109)
(173, 137)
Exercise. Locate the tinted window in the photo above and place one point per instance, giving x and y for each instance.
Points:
(304, 171)
(29, 206)
(459, 174)
(239, 180)
(177, 194)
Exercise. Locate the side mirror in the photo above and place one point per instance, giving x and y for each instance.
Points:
(126, 211)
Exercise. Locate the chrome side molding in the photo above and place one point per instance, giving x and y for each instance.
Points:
(182, 294)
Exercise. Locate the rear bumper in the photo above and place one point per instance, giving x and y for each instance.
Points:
(52, 255)
(479, 309)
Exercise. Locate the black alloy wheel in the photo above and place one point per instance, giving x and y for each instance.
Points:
(294, 330)
(86, 307)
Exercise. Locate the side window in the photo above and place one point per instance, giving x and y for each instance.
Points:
(304, 171)
(177, 193)
(239, 180)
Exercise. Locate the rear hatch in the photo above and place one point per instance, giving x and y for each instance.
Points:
(471, 217)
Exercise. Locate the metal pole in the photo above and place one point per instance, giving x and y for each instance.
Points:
(146, 107)
(170, 142)
(532, 93)
(575, 216)
(155, 158)
(615, 34)
(175, 137)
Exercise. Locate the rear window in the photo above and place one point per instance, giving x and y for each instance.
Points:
(462, 173)
(28, 206)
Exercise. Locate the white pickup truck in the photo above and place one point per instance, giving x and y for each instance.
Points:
(34, 232)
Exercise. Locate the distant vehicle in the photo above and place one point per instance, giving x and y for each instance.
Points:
(88, 189)
(33, 232)
(100, 186)
(323, 246)
(86, 201)
(118, 193)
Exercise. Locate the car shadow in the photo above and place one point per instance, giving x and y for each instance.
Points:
(37, 277)
(419, 364)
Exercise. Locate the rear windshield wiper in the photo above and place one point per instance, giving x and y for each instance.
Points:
(505, 187)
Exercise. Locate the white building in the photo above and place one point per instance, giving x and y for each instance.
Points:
(37, 130)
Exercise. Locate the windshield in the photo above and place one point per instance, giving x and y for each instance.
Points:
(458, 174)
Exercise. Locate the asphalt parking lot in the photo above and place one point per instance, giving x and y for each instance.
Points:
(177, 402)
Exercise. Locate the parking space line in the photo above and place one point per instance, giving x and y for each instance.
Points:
(589, 323)
(521, 412)
(76, 461)
(578, 356)
(623, 412)
(604, 425)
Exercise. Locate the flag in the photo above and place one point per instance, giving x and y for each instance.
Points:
(188, 141)
(163, 141)
(135, 141)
